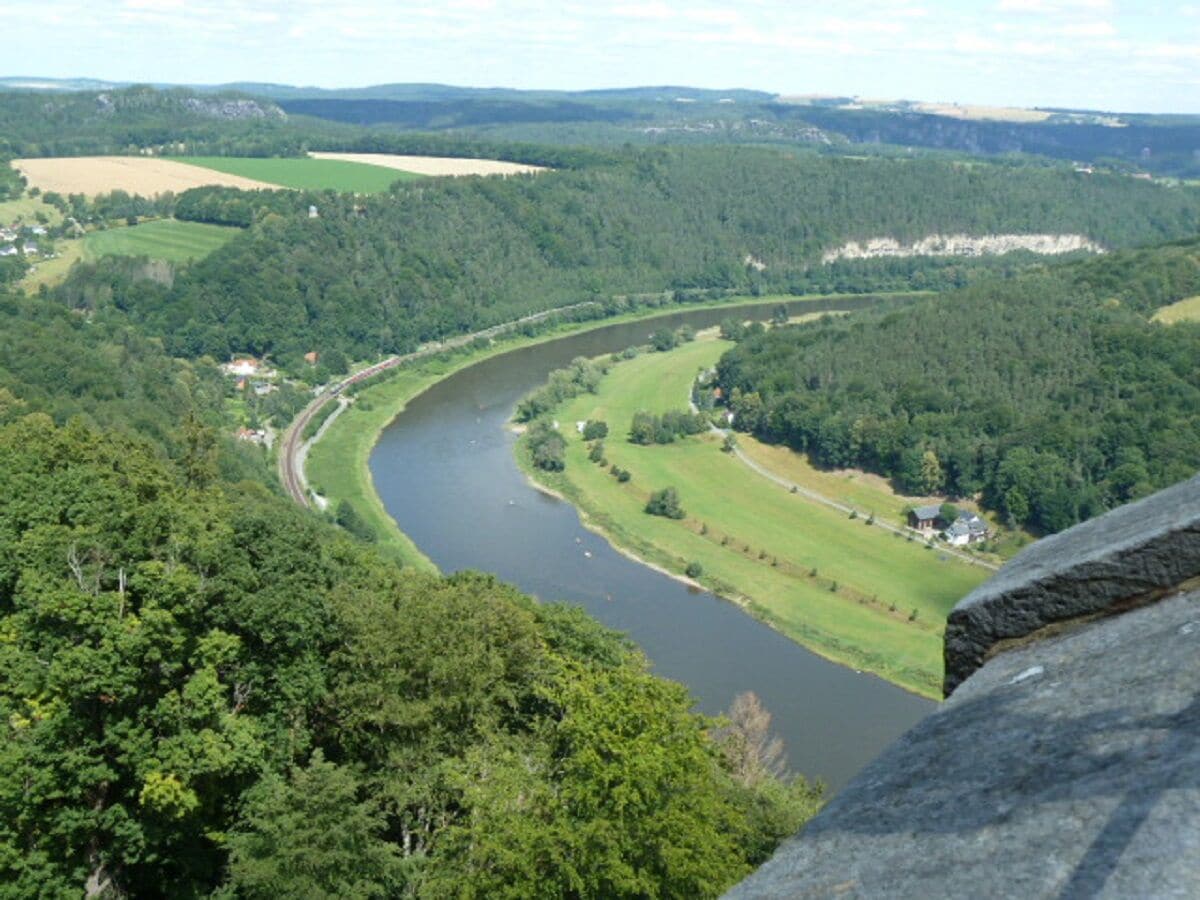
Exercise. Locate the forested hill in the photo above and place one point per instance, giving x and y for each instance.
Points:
(379, 275)
(128, 120)
(205, 688)
(1051, 394)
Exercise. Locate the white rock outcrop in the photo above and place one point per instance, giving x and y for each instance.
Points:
(963, 245)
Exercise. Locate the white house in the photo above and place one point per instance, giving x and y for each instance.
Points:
(968, 528)
(242, 367)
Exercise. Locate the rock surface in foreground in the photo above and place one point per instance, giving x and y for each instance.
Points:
(1068, 768)
(1067, 761)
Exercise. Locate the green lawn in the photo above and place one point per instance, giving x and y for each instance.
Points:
(305, 173)
(25, 210)
(167, 239)
(1184, 311)
(758, 543)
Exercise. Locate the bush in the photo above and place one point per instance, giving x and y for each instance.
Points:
(664, 339)
(594, 430)
(623, 476)
(596, 454)
(547, 447)
(347, 516)
(694, 569)
(665, 503)
(647, 428)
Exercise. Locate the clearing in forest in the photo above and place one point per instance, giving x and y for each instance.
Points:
(167, 239)
(434, 165)
(849, 590)
(1184, 311)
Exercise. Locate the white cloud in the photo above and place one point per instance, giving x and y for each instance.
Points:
(1089, 29)
(1053, 7)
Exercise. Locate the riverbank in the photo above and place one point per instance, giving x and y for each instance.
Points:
(853, 593)
(337, 464)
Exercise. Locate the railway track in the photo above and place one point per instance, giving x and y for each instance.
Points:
(291, 446)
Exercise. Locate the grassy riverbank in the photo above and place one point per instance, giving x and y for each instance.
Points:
(852, 592)
(337, 464)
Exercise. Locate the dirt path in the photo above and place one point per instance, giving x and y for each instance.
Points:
(794, 488)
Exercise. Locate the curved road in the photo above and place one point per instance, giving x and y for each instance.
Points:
(291, 463)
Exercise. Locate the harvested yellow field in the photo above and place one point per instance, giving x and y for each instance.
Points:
(992, 113)
(145, 175)
(434, 165)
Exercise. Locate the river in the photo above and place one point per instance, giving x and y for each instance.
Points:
(445, 471)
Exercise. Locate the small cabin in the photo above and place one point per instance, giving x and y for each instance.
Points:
(924, 519)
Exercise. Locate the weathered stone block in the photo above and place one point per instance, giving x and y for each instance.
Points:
(1110, 562)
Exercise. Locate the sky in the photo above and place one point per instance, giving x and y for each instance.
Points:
(1123, 55)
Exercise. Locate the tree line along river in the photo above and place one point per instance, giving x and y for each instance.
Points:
(445, 471)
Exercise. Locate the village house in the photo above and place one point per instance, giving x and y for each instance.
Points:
(242, 367)
(925, 519)
(968, 528)
(8, 250)
(262, 388)
(251, 435)
(311, 357)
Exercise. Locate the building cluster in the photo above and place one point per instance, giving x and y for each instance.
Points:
(20, 240)
(957, 529)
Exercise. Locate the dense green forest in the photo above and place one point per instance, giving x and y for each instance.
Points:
(132, 119)
(106, 373)
(378, 275)
(1051, 394)
(205, 688)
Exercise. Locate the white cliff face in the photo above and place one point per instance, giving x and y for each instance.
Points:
(964, 245)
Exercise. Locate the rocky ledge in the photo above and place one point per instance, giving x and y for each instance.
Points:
(964, 245)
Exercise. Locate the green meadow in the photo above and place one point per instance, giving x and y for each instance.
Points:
(167, 239)
(304, 173)
(852, 592)
(1184, 311)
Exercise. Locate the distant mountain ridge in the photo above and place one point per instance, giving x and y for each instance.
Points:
(667, 114)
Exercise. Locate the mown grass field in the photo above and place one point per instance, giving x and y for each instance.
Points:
(305, 173)
(852, 592)
(870, 493)
(1184, 311)
(167, 239)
